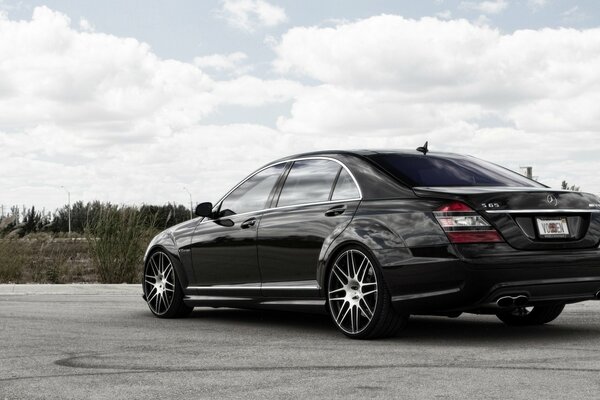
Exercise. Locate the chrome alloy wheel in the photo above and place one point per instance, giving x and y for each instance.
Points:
(352, 291)
(159, 283)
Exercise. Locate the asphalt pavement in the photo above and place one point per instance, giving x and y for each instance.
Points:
(101, 342)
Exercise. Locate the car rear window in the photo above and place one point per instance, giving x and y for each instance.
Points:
(431, 170)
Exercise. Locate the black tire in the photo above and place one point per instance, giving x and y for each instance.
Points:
(384, 321)
(538, 315)
(162, 289)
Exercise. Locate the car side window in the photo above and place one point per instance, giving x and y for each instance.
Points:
(253, 194)
(309, 181)
(345, 188)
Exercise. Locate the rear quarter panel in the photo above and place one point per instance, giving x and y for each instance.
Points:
(393, 230)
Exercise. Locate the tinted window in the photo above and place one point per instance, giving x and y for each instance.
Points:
(345, 187)
(309, 181)
(431, 170)
(253, 194)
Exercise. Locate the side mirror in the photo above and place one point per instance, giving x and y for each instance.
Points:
(204, 209)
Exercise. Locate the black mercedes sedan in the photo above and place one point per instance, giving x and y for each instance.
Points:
(372, 237)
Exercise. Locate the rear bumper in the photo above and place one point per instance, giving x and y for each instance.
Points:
(438, 285)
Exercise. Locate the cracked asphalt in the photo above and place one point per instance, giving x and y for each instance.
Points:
(100, 341)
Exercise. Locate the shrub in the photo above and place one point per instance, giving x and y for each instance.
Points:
(117, 237)
(12, 261)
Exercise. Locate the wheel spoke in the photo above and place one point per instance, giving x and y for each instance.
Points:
(335, 268)
(163, 300)
(364, 263)
(154, 266)
(169, 283)
(168, 271)
(370, 292)
(156, 302)
(348, 257)
(370, 315)
(337, 318)
(337, 290)
(344, 274)
(346, 313)
(150, 296)
(153, 296)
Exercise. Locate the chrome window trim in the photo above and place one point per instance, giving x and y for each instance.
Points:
(563, 211)
(218, 203)
(264, 210)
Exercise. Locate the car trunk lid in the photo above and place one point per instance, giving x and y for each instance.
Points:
(531, 218)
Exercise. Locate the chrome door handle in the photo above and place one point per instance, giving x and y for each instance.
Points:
(337, 210)
(248, 223)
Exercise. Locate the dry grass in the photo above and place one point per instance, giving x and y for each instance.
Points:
(117, 240)
(111, 251)
(43, 259)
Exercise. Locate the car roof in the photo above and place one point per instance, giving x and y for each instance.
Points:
(368, 152)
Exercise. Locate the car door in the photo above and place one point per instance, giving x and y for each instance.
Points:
(224, 254)
(317, 199)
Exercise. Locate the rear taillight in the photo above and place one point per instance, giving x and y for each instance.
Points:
(464, 225)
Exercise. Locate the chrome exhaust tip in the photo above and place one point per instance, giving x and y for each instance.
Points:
(520, 301)
(505, 301)
(513, 301)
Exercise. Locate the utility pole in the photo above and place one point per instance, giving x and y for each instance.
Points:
(68, 207)
(191, 203)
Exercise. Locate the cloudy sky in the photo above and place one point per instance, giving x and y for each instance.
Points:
(130, 101)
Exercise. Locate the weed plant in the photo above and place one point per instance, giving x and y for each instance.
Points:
(117, 238)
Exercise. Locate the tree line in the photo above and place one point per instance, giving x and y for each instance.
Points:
(20, 222)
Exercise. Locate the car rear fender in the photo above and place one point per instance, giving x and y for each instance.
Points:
(386, 245)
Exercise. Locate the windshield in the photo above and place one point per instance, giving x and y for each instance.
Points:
(433, 170)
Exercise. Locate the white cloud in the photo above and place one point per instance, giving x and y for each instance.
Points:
(108, 118)
(498, 95)
(81, 108)
(429, 61)
(485, 7)
(86, 25)
(221, 62)
(250, 14)
(98, 83)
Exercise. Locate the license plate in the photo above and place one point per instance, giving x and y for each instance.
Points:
(553, 228)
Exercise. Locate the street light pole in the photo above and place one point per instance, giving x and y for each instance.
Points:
(69, 207)
(191, 203)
